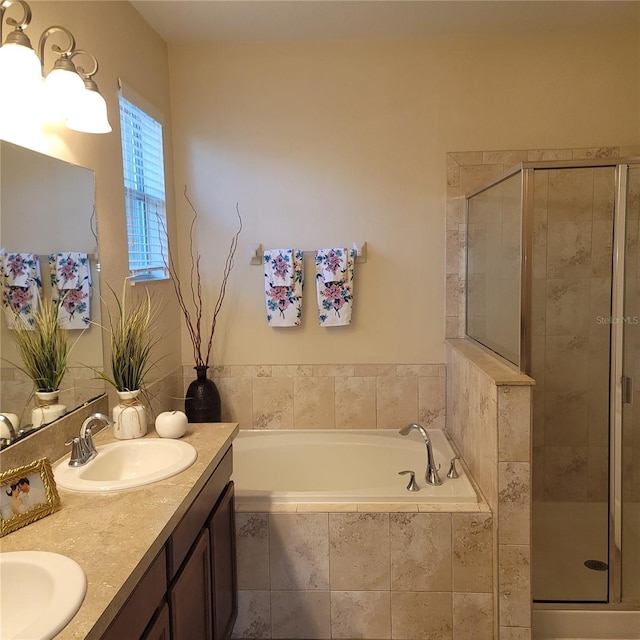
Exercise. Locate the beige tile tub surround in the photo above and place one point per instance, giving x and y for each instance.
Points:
(489, 419)
(324, 396)
(401, 576)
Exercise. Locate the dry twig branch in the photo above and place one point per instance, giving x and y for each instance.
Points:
(194, 327)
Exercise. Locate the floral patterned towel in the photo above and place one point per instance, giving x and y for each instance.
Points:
(71, 280)
(21, 285)
(335, 295)
(284, 301)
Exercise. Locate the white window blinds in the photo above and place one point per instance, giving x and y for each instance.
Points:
(143, 165)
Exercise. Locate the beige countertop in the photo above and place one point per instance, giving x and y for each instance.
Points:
(115, 536)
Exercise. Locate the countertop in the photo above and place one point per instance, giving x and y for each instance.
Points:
(115, 536)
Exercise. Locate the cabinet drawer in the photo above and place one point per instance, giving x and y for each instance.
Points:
(195, 519)
(138, 610)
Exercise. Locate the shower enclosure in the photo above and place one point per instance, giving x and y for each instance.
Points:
(553, 285)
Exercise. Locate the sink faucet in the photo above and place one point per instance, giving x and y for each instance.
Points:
(431, 474)
(83, 448)
(86, 431)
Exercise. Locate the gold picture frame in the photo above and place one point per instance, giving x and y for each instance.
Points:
(27, 494)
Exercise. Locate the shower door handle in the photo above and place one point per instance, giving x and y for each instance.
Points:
(627, 390)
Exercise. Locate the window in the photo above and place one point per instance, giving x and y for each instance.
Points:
(143, 165)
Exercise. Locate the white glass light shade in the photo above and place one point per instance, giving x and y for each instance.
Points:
(62, 91)
(19, 69)
(90, 114)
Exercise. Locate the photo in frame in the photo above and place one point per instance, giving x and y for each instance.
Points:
(27, 494)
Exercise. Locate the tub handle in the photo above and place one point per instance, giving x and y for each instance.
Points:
(413, 485)
(453, 472)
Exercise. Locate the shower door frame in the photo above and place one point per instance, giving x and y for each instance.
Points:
(621, 166)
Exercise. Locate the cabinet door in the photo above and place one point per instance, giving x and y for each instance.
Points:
(139, 609)
(223, 568)
(190, 594)
(159, 629)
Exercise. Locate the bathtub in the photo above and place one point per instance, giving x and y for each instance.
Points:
(342, 466)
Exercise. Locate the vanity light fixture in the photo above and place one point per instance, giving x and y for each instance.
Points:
(71, 95)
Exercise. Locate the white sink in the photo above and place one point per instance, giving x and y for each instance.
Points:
(41, 592)
(127, 464)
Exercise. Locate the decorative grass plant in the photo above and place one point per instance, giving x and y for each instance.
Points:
(132, 342)
(43, 346)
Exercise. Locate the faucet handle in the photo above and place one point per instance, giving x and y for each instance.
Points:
(413, 485)
(79, 455)
(453, 472)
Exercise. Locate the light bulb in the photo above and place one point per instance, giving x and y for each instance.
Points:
(63, 90)
(90, 114)
(19, 69)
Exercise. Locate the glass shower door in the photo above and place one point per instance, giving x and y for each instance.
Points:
(627, 485)
(572, 256)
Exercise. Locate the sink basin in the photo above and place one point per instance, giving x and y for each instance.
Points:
(41, 592)
(127, 464)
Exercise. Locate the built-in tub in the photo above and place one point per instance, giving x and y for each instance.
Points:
(342, 466)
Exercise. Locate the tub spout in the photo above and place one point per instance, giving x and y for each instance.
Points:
(431, 474)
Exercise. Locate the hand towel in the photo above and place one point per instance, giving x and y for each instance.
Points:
(335, 296)
(333, 264)
(278, 266)
(284, 303)
(21, 285)
(71, 281)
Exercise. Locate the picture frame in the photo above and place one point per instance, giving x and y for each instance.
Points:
(27, 494)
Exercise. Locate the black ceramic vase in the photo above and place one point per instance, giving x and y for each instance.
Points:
(202, 403)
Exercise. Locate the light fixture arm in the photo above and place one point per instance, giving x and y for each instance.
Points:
(65, 54)
(16, 36)
(82, 72)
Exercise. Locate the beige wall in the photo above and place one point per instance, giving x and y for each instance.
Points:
(323, 143)
(125, 46)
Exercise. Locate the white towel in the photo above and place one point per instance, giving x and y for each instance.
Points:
(284, 303)
(71, 281)
(278, 266)
(335, 297)
(21, 285)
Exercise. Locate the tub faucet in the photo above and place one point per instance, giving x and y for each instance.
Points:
(431, 474)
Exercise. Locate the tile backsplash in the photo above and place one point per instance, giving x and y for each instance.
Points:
(324, 396)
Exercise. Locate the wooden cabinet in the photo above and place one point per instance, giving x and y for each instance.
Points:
(190, 594)
(143, 603)
(159, 628)
(190, 590)
(223, 565)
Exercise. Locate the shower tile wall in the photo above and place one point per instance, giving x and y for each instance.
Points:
(469, 170)
(489, 418)
(344, 396)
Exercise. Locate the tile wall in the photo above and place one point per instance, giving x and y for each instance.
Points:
(489, 419)
(469, 170)
(345, 396)
(16, 390)
(368, 575)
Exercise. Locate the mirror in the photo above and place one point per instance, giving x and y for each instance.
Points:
(47, 207)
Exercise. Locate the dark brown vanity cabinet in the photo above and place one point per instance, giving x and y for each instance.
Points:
(190, 591)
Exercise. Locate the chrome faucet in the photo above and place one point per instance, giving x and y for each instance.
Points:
(431, 474)
(83, 448)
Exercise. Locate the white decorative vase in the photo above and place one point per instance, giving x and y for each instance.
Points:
(47, 408)
(130, 416)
